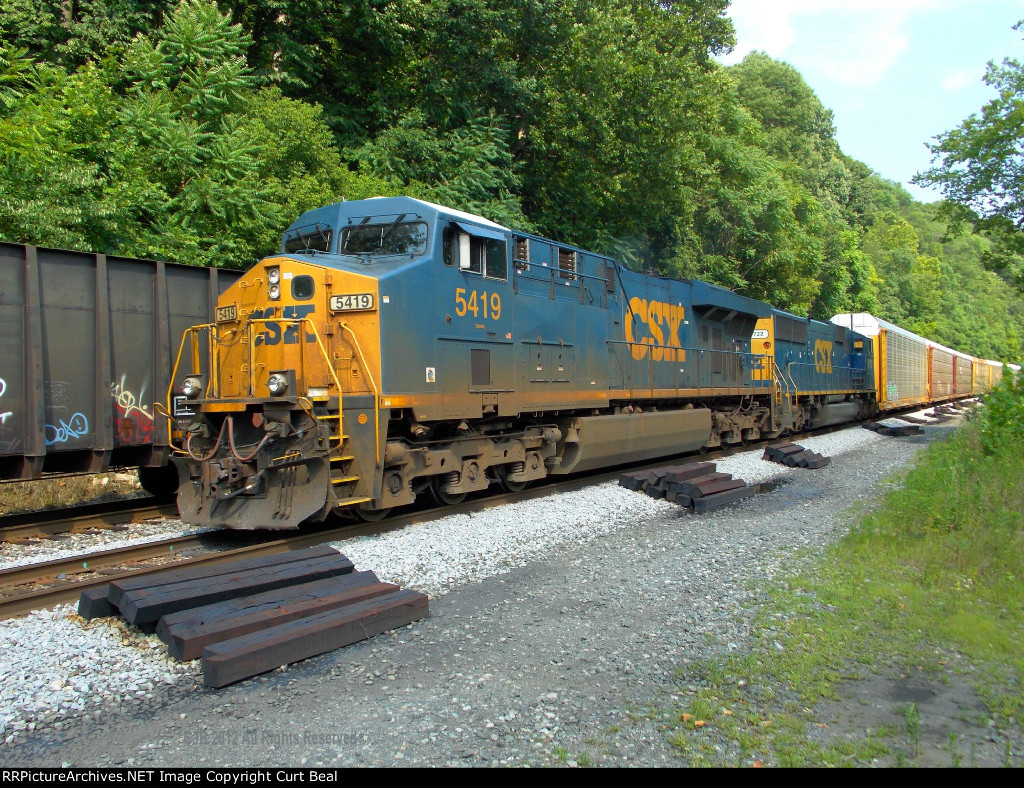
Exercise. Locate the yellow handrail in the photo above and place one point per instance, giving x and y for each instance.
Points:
(796, 389)
(373, 385)
(193, 330)
(300, 324)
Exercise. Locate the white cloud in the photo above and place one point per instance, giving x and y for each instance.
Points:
(852, 42)
(956, 81)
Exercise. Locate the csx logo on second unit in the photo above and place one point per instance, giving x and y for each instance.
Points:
(823, 357)
(661, 322)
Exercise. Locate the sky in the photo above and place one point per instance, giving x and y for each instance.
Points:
(896, 73)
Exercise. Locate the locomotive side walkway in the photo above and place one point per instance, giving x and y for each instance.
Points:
(557, 661)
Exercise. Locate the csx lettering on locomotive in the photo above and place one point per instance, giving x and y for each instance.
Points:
(823, 357)
(662, 322)
(272, 333)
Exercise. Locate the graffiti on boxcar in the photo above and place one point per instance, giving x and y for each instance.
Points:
(75, 427)
(3, 390)
(57, 395)
(133, 419)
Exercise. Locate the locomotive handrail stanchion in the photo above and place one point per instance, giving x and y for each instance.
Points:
(796, 388)
(213, 339)
(299, 332)
(632, 377)
(778, 380)
(373, 385)
(250, 347)
(195, 349)
(168, 409)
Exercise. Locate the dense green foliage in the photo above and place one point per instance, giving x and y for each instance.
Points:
(195, 132)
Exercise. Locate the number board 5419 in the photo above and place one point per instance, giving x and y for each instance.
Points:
(354, 302)
(226, 314)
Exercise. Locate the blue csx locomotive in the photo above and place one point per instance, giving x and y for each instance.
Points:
(395, 346)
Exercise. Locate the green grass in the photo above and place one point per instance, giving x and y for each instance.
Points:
(937, 568)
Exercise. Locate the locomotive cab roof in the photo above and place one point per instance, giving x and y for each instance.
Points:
(399, 226)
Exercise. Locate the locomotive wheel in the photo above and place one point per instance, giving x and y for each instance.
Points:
(443, 498)
(372, 515)
(513, 486)
(510, 486)
(160, 481)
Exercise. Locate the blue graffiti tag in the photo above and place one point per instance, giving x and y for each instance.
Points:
(63, 432)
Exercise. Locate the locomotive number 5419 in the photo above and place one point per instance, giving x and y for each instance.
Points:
(351, 303)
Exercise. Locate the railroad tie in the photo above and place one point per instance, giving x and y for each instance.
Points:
(891, 431)
(699, 486)
(250, 616)
(794, 455)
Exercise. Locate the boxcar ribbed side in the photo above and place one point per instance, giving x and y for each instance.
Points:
(89, 350)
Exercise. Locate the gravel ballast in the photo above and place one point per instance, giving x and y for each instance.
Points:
(555, 624)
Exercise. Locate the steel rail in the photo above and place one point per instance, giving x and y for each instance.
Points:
(51, 522)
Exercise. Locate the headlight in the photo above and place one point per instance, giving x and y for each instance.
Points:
(275, 292)
(277, 384)
(192, 387)
(274, 275)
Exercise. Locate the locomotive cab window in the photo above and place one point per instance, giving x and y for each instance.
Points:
(384, 235)
(312, 238)
(484, 256)
(447, 239)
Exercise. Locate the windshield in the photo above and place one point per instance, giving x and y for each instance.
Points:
(393, 237)
(311, 238)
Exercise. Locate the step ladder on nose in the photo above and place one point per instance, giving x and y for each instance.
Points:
(340, 456)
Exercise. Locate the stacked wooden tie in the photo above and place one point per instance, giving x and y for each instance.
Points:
(950, 409)
(893, 431)
(253, 615)
(794, 455)
(698, 485)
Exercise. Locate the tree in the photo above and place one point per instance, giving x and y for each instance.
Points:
(980, 164)
(470, 167)
(617, 145)
(164, 149)
(71, 33)
(979, 167)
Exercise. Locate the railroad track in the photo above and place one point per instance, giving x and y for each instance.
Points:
(43, 584)
(76, 519)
